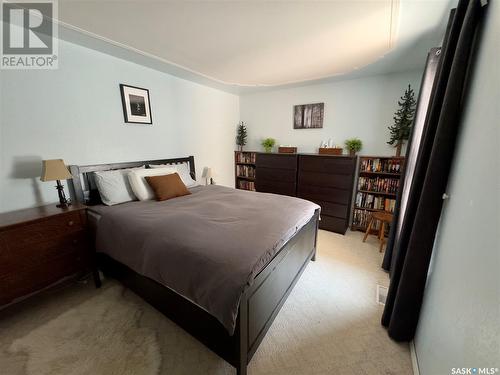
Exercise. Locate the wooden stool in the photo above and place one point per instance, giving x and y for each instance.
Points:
(383, 217)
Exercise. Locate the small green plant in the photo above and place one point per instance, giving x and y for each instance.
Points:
(353, 145)
(268, 144)
(241, 135)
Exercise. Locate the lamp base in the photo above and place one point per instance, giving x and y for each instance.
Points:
(63, 202)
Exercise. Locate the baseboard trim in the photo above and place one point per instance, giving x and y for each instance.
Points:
(414, 360)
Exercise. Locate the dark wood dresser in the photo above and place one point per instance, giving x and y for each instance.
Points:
(276, 173)
(328, 181)
(41, 246)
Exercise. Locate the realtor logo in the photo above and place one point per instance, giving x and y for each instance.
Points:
(29, 35)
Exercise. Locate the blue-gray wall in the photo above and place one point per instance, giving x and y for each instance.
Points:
(361, 107)
(75, 113)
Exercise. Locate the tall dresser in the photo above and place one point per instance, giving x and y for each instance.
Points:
(328, 181)
(276, 173)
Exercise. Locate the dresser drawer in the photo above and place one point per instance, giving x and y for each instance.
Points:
(324, 194)
(340, 181)
(333, 224)
(43, 230)
(276, 187)
(327, 164)
(13, 258)
(277, 161)
(272, 174)
(333, 209)
(33, 277)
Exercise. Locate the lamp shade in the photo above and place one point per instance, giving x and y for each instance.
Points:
(54, 169)
(207, 173)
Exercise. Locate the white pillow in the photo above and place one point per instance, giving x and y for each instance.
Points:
(140, 186)
(183, 171)
(113, 186)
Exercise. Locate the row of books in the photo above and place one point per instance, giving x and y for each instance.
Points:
(381, 165)
(366, 200)
(246, 185)
(361, 218)
(245, 171)
(379, 184)
(245, 157)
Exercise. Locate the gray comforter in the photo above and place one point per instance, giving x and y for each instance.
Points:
(207, 246)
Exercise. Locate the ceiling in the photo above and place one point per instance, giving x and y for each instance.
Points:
(249, 44)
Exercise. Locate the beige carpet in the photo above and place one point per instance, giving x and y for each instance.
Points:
(330, 324)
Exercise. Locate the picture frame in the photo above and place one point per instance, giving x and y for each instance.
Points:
(136, 105)
(308, 116)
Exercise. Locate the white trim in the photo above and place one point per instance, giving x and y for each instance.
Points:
(414, 359)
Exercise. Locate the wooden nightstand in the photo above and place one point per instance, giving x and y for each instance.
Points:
(40, 247)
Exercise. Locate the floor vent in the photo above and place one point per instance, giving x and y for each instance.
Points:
(381, 294)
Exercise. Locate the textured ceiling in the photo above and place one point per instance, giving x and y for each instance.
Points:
(249, 44)
(246, 42)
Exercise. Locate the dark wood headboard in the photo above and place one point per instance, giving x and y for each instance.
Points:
(84, 190)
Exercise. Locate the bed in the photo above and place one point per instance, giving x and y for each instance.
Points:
(240, 270)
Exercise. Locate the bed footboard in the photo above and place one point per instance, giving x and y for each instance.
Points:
(264, 299)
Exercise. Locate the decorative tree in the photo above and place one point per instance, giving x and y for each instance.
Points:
(403, 120)
(241, 135)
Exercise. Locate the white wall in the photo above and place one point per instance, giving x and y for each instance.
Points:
(460, 321)
(75, 113)
(361, 108)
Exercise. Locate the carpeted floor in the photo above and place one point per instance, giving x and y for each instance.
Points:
(330, 324)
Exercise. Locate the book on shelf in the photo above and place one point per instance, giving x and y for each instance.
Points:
(245, 157)
(247, 171)
(381, 165)
(246, 185)
(370, 201)
(379, 184)
(361, 218)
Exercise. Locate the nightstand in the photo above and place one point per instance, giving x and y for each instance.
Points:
(40, 247)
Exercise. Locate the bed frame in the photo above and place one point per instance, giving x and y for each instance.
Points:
(259, 304)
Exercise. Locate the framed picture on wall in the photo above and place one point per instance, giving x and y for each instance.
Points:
(136, 105)
(308, 116)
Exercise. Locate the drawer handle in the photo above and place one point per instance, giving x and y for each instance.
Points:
(70, 223)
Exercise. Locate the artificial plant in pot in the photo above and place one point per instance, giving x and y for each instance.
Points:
(268, 144)
(403, 120)
(353, 145)
(241, 135)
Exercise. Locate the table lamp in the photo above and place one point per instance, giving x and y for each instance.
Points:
(55, 170)
(208, 175)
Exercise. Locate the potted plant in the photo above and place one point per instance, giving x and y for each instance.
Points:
(241, 135)
(353, 145)
(403, 120)
(268, 144)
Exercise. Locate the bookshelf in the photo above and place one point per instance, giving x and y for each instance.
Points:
(376, 188)
(244, 170)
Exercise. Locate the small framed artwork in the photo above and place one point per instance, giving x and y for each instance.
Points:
(136, 105)
(308, 116)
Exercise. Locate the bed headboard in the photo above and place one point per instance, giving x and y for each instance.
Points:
(82, 186)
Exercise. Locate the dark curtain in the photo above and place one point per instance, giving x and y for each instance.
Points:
(413, 248)
(419, 128)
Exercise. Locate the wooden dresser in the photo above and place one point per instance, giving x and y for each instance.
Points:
(276, 173)
(41, 246)
(328, 181)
